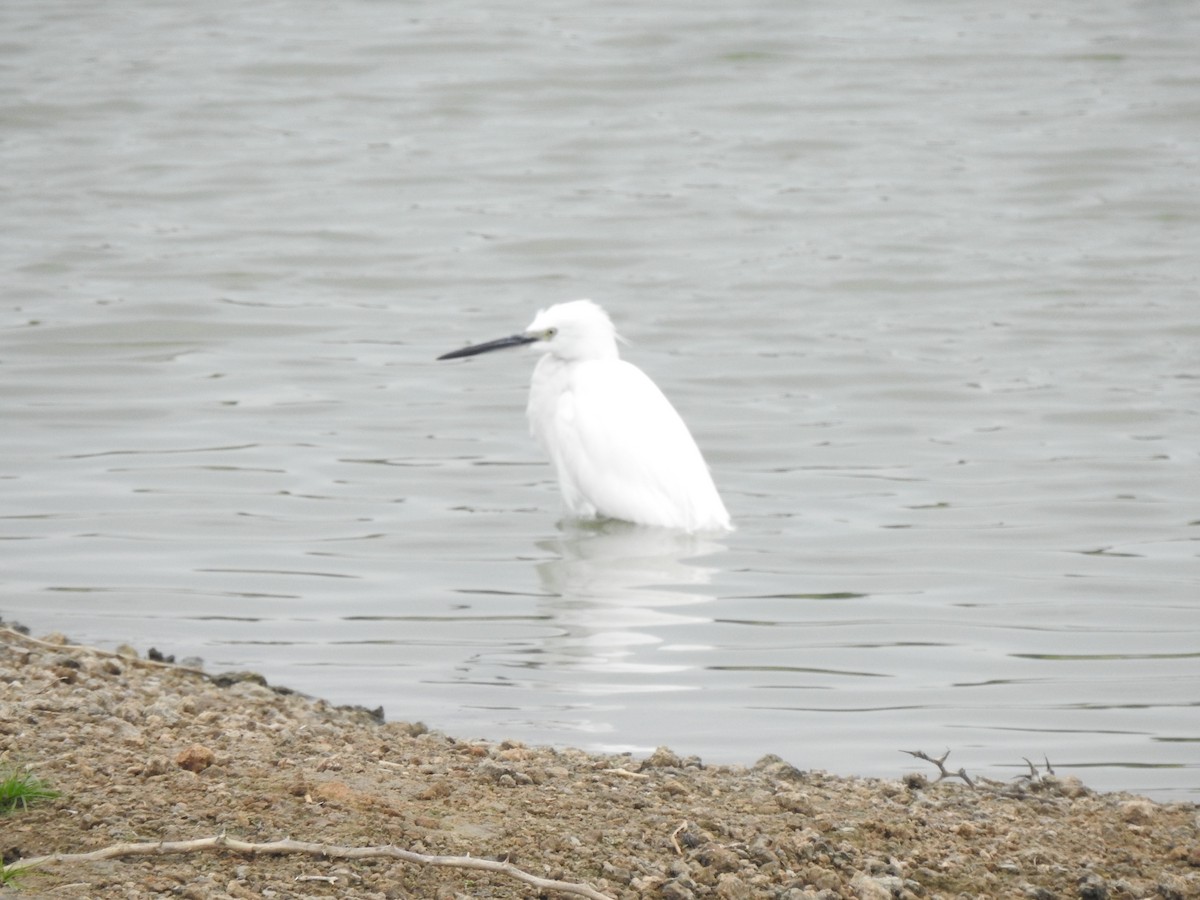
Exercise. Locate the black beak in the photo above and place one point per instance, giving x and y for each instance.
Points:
(515, 341)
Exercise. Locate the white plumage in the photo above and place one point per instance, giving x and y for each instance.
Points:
(619, 448)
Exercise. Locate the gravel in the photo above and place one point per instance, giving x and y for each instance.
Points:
(144, 751)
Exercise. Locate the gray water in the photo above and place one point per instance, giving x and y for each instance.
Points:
(923, 281)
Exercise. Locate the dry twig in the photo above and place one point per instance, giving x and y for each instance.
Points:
(625, 773)
(329, 851)
(675, 836)
(12, 633)
(940, 762)
(1034, 775)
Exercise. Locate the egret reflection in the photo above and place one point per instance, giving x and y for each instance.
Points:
(615, 589)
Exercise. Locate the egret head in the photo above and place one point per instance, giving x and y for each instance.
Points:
(573, 331)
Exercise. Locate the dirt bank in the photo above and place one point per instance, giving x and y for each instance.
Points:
(144, 753)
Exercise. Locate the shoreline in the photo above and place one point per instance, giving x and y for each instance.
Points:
(145, 751)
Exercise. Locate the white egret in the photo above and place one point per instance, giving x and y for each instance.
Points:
(619, 448)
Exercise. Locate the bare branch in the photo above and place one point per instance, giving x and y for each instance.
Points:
(625, 773)
(223, 843)
(940, 762)
(1034, 776)
(675, 836)
(13, 634)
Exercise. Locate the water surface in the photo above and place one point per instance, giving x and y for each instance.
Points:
(922, 281)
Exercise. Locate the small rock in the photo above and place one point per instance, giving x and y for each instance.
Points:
(679, 889)
(662, 758)
(1173, 887)
(794, 801)
(65, 674)
(374, 715)
(730, 887)
(650, 885)
(777, 767)
(156, 765)
(228, 679)
(436, 791)
(335, 791)
(1070, 786)
(870, 887)
(1136, 812)
(822, 878)
(674, 787)
(493, 771)
(1092, 887)
(719, 859)
(617, 873)
(515, 753)
(195, 758)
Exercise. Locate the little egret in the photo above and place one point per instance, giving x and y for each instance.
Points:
(619, 448)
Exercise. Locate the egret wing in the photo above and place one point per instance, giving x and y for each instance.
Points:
(622, 448)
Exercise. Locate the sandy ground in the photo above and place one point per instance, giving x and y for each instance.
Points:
(144, 752)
